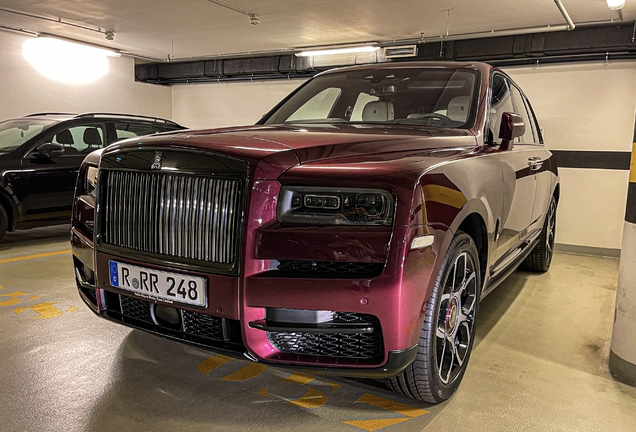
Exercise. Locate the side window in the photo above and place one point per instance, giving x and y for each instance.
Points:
(318, 107)
(533, 120)
(81, 139)
(131, 130)
(500, 103)
(527, 137)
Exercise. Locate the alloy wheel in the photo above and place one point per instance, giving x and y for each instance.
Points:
(456, 318)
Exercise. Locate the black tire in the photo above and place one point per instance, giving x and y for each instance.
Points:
(436, 372)
(540, 258)
(4, 221)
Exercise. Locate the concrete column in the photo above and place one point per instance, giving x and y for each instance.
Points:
(622, 361)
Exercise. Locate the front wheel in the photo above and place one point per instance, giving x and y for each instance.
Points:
(447, 334)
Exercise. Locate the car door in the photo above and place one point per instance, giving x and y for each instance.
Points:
(518, 179)
(46, 185)
(542, 167)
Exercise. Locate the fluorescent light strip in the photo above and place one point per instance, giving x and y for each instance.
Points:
(336, 51)
(104, 51)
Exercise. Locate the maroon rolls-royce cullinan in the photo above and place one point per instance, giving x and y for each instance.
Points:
(352, 231)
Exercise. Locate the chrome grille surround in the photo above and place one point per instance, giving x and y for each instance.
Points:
(189, 217)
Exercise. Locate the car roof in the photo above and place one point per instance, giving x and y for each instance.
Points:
(484, 67)
(60, 117)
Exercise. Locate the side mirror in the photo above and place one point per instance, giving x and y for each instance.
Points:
(48, 150)
(512, 126)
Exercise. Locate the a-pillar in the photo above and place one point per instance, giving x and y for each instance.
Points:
(622, 361)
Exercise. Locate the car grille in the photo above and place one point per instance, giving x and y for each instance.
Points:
(194, 218)
(329, 268)
(135, 309)
(203, 325)
(360, 346)
(193, 324)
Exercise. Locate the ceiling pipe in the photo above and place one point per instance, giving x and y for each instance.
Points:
(565, 14)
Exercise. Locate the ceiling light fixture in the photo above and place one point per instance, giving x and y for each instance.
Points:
(615, 4)
(67, 62)
(88, 46)
(336, 51)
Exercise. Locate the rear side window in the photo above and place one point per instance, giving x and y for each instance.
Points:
(131, 130)
(528, 137)
(81, 139)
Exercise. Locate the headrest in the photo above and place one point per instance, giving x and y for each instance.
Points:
(64, 137)
(92, 138)
(458, 108)
(378, 111)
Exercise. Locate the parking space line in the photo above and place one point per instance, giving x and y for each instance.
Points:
(211, 363)
(390, 405)
(34, 256)
(250, 371)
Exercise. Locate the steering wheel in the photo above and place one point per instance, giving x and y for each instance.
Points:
(435, 116)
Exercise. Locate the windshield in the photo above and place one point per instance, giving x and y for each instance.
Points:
(14, 133)
(437, 97)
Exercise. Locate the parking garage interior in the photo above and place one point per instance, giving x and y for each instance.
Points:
(540, 360)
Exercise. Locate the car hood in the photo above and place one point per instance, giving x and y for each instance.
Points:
(274, 149)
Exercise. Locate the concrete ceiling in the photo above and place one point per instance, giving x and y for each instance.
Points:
(195, 28)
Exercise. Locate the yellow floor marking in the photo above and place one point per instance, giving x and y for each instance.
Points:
(304, 379)
(390, 405)
(72, 309)
(250, 371)
(311, 399)
(34, 297)
(211, 363)
(374, 425)
(299, 378)
(265, 393)
(28, 257)
(14, 298)
(44, 310)
(333, 386)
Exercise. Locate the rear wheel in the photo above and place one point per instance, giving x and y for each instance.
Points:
(447, 335)
(541, 256)
(4, 221)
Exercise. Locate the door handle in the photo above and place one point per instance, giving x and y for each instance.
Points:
(535, 163)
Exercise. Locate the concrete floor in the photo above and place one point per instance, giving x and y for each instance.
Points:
(539, 364)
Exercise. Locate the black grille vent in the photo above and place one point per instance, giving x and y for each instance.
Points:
(328, 269)
(358, 346)
(202, 325)
(136, 309)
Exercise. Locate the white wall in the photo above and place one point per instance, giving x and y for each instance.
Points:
(586, 107)
(227, 104)
(24, 91)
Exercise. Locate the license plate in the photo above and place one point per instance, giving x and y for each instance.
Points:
(157, 284)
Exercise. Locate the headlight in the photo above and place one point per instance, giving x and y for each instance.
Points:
(333, 206)
(90, 186)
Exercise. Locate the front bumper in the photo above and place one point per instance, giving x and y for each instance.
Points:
(234, 320)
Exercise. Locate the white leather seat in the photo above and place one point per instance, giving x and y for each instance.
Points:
(458, 108)
(378, 111)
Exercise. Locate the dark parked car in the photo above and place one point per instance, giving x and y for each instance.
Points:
(40, 155)
(353, 231)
